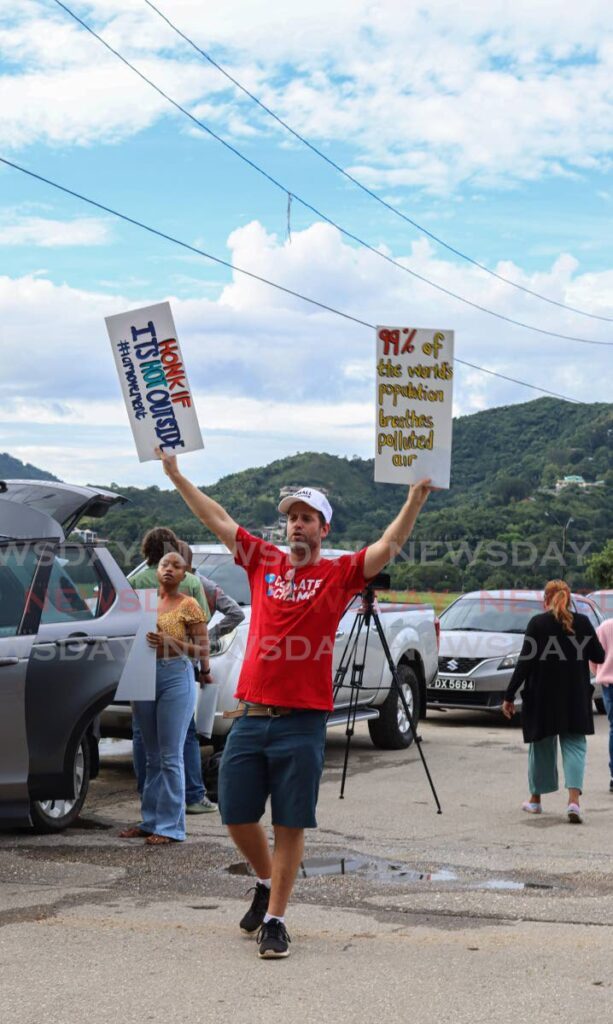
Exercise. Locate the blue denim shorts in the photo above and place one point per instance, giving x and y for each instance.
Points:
(281, 758)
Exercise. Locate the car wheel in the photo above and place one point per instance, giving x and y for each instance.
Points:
(391, 730)
(210, 775)
(600, 708)
(55, 815)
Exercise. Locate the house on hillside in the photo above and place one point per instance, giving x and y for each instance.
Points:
(577, 481)
(85, 536)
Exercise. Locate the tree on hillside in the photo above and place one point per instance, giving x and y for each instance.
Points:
(600, 567)
(511, 488)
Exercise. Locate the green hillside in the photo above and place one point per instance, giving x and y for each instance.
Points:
(505, 464)
(14, 469)
(500, 524)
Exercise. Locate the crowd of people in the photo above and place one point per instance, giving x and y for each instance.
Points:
(275, 748)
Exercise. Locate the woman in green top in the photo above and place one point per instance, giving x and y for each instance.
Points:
(157, 543)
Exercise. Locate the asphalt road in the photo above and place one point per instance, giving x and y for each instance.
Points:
(480, 914)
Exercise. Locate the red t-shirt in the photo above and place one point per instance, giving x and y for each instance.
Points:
(294, 616)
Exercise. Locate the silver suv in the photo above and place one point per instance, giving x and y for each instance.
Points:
(481, 637)
(64, 637)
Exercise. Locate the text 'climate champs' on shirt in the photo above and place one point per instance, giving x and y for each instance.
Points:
(295, 612)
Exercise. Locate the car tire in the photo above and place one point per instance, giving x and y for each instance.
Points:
(599, 704)
(50, 816)
(210, 775)
(391, 730)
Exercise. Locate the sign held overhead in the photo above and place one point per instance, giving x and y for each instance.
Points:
(154, 381)
(414, 379)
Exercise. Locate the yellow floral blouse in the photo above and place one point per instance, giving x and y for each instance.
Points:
(175, 623)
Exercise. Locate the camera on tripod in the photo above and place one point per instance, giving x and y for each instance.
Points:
(382, 581)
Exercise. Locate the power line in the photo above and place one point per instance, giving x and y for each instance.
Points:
(355, 181)
(251, 274)
(287, 192)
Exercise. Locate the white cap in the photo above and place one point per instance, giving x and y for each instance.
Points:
(311, 497)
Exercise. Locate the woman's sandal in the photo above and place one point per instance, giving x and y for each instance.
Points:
(134, 833)
(156, 840)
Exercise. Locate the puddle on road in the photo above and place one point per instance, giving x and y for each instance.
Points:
(378, 870)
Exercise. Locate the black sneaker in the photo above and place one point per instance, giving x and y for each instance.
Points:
(611, 786)
(273, 940)
(254, 917)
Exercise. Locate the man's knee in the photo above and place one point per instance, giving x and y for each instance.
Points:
(288, 835)
(244, 830)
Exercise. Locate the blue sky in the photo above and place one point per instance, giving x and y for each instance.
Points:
(489, 125)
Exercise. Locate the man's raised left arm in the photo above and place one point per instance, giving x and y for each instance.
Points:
(397, 533)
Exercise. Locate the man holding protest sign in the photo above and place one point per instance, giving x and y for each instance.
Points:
(276, 746)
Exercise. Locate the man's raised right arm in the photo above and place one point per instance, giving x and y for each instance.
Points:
(209, 512)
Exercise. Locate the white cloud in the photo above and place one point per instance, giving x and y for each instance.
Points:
(272, 375)
(487, 93)
(49, 234)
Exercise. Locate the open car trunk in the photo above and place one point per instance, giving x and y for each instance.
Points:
(46, 508)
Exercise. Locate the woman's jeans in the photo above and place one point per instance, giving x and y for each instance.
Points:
(607, 696)
(195, 790)
(543, 767)
(163, 724)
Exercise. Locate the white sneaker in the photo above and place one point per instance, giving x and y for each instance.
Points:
(574, 815)
(205, 806)
(531, 808)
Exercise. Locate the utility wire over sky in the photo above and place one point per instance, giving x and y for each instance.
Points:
(318, 213)
(355, 181)
(256, 277)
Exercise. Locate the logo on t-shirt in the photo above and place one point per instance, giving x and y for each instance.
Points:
(285, 588)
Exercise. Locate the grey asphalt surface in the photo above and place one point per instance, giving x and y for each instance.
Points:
(479, 914)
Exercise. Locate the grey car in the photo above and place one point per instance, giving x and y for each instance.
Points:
(64, 637)
(481, 637)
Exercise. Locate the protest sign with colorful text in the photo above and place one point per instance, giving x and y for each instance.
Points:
(414, 376)
(153, 381)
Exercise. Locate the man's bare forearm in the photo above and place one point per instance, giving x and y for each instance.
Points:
(394, 537)
(208, 511)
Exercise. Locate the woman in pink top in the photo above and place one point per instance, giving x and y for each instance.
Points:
(604, 676)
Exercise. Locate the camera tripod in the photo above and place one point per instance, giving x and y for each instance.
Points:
(355, 661)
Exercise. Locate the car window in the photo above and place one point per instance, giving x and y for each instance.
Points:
(75, 587)
(232, 578)
(490, 614)
(603, 599)
(17, 568)
(203, 558)
(586, 609)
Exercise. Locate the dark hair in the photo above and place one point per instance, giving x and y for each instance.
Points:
(186, 553)
(158, 542)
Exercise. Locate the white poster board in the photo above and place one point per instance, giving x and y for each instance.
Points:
(414, 380)
(137, 680)
(154, 381)
(206, 708)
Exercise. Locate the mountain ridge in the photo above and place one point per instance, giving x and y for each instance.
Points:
(505, 463)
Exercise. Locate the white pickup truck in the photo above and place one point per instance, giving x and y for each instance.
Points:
(412, 633)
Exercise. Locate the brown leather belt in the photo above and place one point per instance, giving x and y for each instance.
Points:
(257, 711)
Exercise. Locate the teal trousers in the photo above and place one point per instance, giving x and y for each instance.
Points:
(543, 763)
